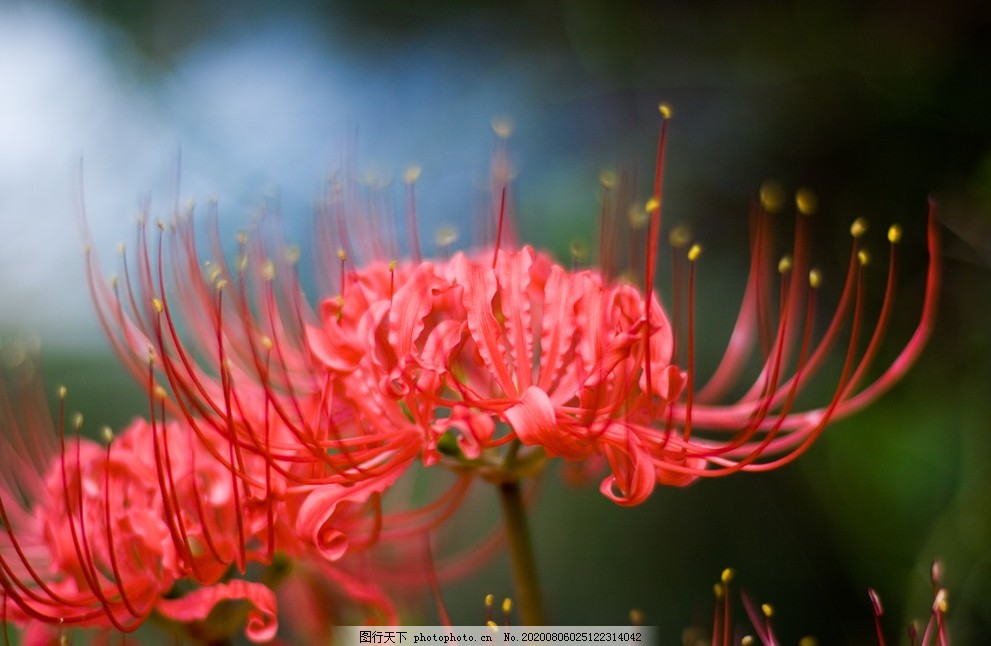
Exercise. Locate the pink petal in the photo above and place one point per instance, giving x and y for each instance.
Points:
(196, 606)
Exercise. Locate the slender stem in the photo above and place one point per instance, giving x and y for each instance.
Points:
(524, 566)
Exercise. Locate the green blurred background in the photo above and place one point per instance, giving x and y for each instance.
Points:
(876, 106)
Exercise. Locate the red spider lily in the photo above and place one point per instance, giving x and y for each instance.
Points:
(504, 346)
(490, 349)
(150, 524)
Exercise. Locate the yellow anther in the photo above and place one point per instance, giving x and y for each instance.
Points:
(767, 609)
(637, 217)
(341, 255)
(489, 600)
(412, 173)
(502, 126)
(160, 225)
(894, 234)
(719, 590)
(507, 605)
(653, 205)
(292, 254)
(267, 343)
(806, 201)
(61, 392)
(113, 282)
(863, 257)
(121, 248)
(77, 421)
(161, 393)
(747, 640)
(446, 236)
(393, 265)
(665, 110)
(784, 265)
(942, 602)
(815, 278)
(636, 617)
(268, 270)
(221, 284)
(242, 262)
(808, 640)
(728, 575)
(679, 236)
(608, 179)
(213, 271)
(493, 625)
(159, 305)
(107, 433)
(694, 252)
(859, 227)
(579, 250)
(772, 196)
(241, 237)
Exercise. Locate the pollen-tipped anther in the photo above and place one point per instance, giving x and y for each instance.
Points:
(77, 421)
(608, 179)
(815, 278)
(727, 575)
(894, 234)
(579, 251)
(446, 236)
(653, 205)
(107, 434)
(679, 236)
(502, 126)
(665, 110)
(412, 173)
(859, 227)
(772, 196)
(694, 252)
(767, 609)
(785, 264)
(806, 201)
(942, 602)
(863, 257)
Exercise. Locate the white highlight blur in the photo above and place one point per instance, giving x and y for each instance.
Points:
(255, 113)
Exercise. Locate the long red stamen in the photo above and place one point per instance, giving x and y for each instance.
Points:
(501, 221)
(412, 231)
(653, 232)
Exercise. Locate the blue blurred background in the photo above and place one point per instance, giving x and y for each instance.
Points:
(876, 106)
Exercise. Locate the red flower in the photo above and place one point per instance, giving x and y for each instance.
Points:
(489, 348)
(98, 536)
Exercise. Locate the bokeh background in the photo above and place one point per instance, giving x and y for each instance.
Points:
(876, 106)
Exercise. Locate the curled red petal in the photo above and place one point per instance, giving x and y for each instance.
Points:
(262, 622)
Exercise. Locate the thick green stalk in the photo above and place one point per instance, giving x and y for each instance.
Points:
(525, 579)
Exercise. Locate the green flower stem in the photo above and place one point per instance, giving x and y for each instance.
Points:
(525, 580)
